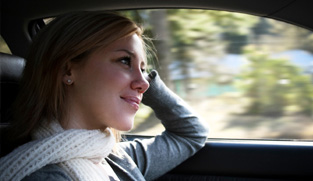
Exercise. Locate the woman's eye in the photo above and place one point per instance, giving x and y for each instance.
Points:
(126, 61)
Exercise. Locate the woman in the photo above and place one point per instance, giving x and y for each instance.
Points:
(84, 79)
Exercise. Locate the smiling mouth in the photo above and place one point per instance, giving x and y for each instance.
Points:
(133, 101)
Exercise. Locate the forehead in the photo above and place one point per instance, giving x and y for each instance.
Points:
(132, 45)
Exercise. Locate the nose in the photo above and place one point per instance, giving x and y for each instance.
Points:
(140, 83)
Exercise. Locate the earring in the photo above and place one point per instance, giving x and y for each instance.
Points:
(69, 81)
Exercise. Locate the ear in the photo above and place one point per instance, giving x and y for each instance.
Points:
(68, 77)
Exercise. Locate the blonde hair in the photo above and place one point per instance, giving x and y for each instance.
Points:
(70, 37)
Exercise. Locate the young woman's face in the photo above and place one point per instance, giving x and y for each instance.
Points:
(108, 87)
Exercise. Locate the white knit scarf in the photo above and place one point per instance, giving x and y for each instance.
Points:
(77, 151)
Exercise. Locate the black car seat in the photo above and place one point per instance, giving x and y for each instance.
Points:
(11, 68)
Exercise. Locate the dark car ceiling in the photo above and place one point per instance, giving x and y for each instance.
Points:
(16, 15)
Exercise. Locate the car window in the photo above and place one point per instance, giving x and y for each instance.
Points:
(4, 47)
(247, 77)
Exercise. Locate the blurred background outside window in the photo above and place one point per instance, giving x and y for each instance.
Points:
(248, 77)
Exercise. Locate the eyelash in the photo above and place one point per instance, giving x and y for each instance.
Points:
(128, 59)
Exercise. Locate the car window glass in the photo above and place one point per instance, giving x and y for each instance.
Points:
(248, 77)
(4, 47)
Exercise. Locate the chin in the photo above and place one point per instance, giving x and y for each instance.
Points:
(127, 128)
(123, 129)
(125, 125)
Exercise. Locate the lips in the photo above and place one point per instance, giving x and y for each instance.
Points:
(132, 100)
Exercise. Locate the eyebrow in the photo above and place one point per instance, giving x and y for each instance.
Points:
(143, 63)
(127, 51)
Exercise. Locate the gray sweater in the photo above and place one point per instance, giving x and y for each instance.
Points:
(148, 159)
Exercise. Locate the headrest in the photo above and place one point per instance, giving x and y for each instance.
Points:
(11, 68)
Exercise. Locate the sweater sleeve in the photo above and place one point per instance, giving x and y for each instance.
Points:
(184, 133)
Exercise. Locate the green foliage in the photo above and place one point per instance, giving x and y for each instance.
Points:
(275, 85)
(189, 25)
(295, 37)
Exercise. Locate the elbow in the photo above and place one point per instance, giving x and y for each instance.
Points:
(203, 131)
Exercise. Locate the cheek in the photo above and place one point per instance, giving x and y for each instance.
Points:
(115, 77)
(101, 74)
(108, 84)
(101, 81)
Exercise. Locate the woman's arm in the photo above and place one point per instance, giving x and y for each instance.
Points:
(184, 134)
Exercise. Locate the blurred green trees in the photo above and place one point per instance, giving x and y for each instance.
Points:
(275, 86)
(201, 37)
(207, 33)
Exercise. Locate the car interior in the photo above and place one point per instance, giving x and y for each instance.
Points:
(220, 159)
